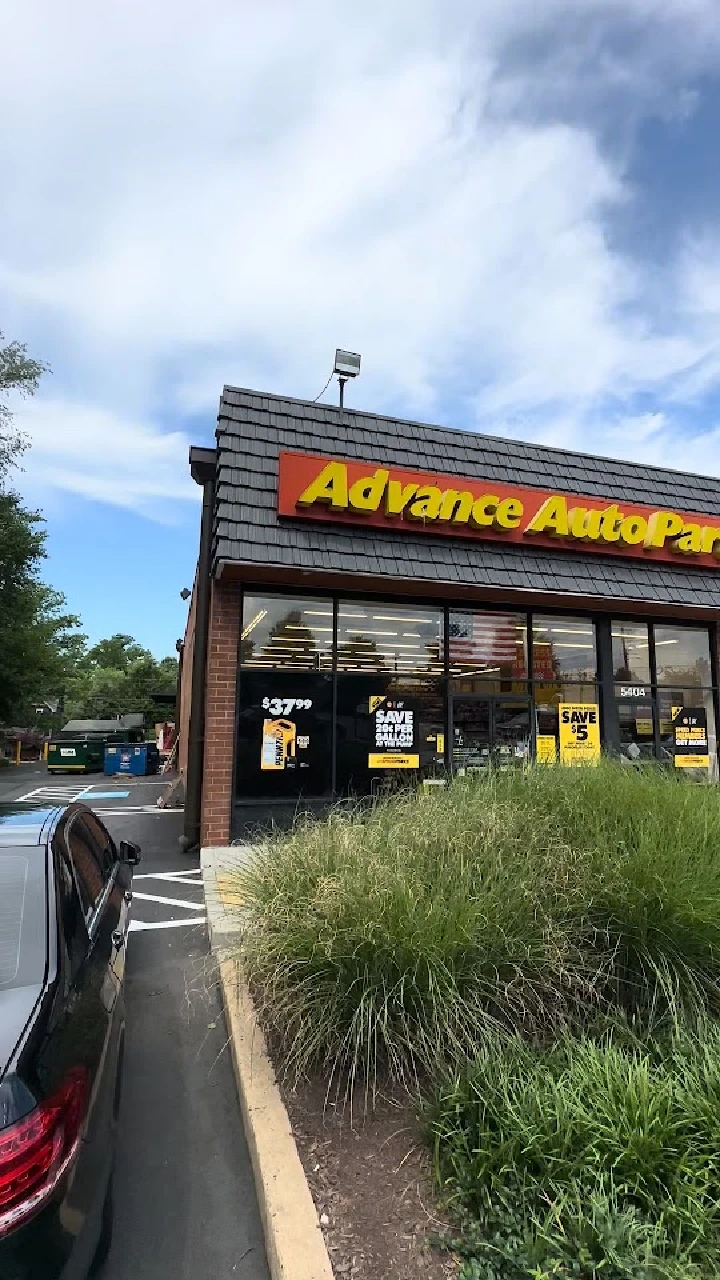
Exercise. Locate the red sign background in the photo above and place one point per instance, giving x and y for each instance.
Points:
(298, 470)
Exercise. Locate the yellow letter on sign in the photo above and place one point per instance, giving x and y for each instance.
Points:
(330, 487)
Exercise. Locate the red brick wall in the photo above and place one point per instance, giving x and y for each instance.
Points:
(220, 689)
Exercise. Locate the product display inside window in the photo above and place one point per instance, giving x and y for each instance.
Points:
(563, 648)
(283, 631)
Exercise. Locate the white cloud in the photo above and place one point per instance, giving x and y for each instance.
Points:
(197, 194)
(97, 454)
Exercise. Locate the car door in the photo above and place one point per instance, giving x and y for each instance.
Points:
(90, 1028)
(119, 876)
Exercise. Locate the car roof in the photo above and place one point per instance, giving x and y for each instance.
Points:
(24, 823)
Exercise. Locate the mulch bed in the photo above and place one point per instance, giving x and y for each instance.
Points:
(369, 1175)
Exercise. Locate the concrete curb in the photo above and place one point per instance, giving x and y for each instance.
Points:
(294, 1241)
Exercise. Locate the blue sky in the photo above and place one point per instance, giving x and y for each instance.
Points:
(510, 209)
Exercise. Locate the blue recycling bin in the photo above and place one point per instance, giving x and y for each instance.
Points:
(136, 758)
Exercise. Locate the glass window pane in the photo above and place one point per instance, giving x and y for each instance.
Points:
(361, 741)
(563, 648)
(669, 701)
(682, 656)
(284, 734)
(630, 651)
(548, 698)
(394, 639)
(286, 631)
(488, 645)
(636, 722)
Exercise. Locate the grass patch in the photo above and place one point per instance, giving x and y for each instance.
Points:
(394, 939)
(591, 1159)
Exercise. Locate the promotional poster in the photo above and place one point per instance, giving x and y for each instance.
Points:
(579, 733)
(690, 738)
(394, 733)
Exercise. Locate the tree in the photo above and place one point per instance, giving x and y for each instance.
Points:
(21, 374)
(39, 642)
(117, 677)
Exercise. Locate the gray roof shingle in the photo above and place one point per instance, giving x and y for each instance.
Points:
(253, 428)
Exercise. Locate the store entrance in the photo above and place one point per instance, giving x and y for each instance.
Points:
(489, 731)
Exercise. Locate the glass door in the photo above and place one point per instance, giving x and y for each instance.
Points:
(471, 738)
(489, 731)
(511, 730)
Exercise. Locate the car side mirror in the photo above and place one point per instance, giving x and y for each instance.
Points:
(130, 852)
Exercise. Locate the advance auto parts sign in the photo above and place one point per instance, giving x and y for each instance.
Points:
(579, 732)
(394, 734)
(349, 492)
(690, 738)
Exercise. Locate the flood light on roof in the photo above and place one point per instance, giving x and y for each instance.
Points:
(347, 363)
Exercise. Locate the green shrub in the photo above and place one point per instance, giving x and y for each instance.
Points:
(593, 1158)
(394, 938)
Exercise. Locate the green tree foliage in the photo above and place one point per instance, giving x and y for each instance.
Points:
(116, 677)
(19, 374)
(39, 642)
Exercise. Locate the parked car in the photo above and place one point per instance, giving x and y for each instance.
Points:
(65, 894)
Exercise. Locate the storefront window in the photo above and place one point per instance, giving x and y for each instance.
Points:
(563, 648)
(394, 639)
(286, 631)
(682, 656)
(635, 711)
(630, 652)
(487, 646)
(387, 729)
(548, 699)
(284, 746)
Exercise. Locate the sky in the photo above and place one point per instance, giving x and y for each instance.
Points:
(511, 210)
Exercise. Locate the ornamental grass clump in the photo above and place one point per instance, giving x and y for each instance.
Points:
(391, 940)
(598, 1158)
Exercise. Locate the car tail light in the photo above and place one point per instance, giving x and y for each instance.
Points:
(37, 1151)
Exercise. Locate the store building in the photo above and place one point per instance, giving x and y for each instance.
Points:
(377, 599)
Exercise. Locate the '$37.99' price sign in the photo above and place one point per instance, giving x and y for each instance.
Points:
(285, 706)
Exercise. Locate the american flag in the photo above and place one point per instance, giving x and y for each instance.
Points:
(477, 637)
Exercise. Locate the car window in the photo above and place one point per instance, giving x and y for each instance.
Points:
(86, 863)
(23, 917)
(72, 915)
(102, 842)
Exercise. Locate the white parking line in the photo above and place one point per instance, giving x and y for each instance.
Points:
(167, 902)
(138, 926)
(53, 793)
(133, 808)
(173, 877)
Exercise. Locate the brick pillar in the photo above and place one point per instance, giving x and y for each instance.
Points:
(220, 689)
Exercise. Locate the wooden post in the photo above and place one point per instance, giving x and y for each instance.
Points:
(17, 750)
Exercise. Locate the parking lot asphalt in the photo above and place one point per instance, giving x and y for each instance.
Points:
(185, 1202)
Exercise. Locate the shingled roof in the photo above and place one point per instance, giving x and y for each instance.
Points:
(253, 428)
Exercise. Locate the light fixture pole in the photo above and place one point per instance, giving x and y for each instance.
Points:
(347, 365)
